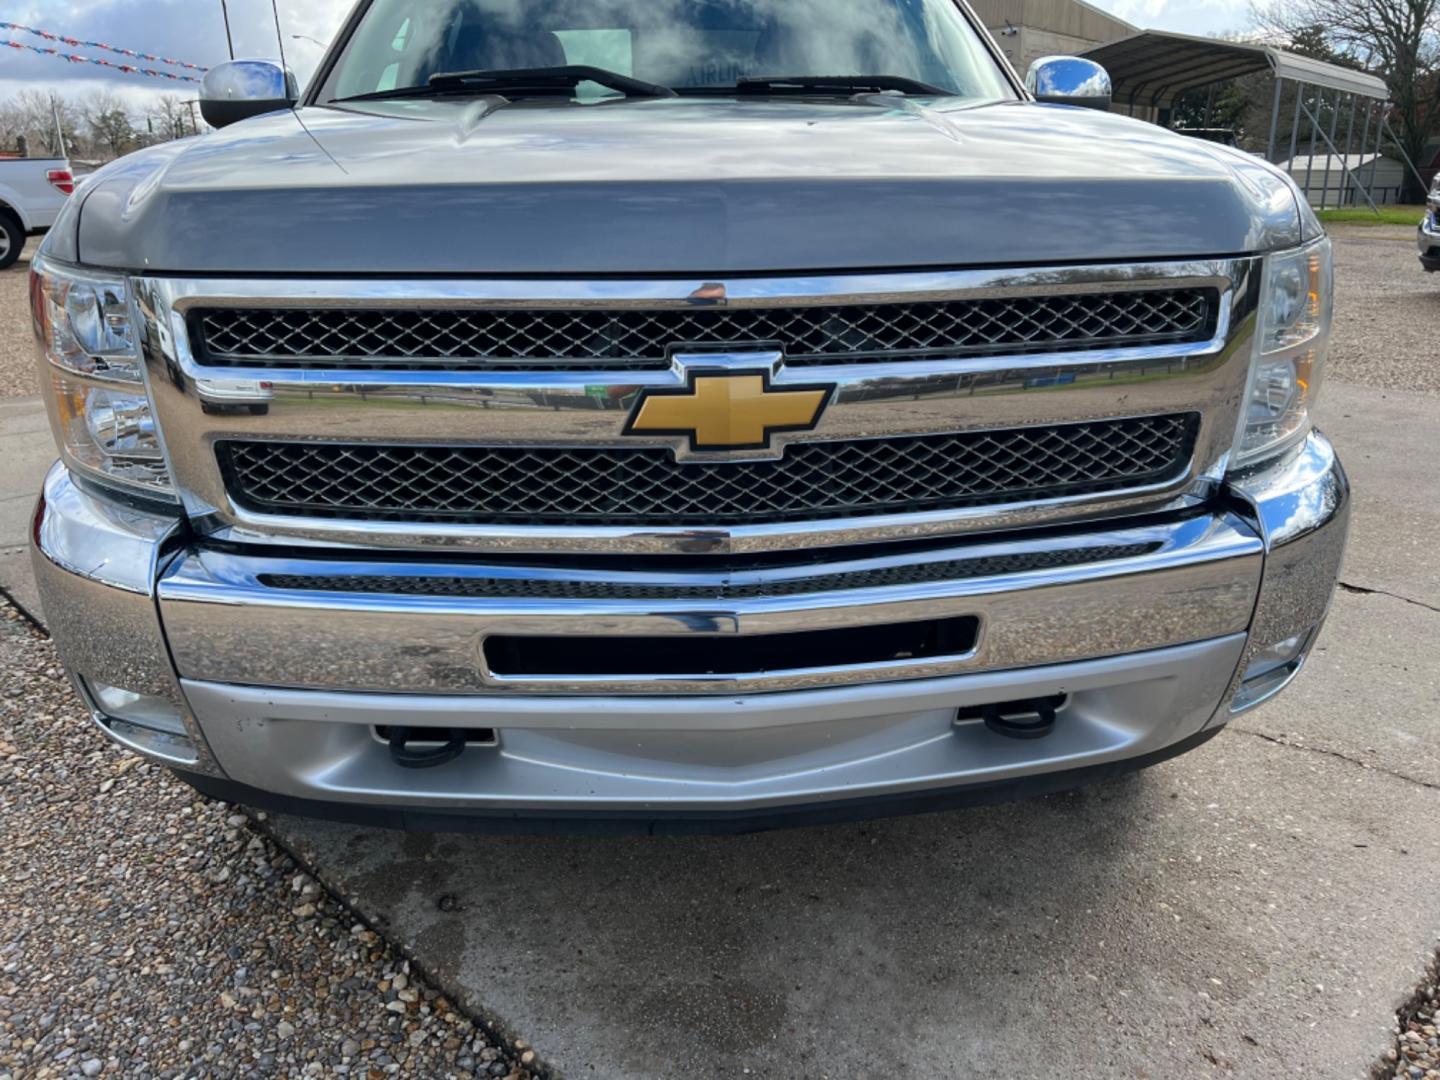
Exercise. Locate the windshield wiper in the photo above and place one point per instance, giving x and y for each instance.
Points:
(548, 79)
(522, 82)
(772, 84)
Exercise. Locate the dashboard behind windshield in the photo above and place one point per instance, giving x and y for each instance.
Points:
(703, 46)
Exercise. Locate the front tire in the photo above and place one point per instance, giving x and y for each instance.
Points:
(12, 241)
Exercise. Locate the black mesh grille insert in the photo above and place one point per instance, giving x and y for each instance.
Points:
(552, 588)
(464, 338)
(647, 486)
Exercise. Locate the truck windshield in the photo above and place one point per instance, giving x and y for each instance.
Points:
(694, 46)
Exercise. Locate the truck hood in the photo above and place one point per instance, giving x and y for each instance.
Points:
(699, 187)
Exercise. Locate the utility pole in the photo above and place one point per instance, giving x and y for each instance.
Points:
(59, 127)
(230, 41)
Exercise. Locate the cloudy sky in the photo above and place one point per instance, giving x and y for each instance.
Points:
(193, 30)
(1186, 16)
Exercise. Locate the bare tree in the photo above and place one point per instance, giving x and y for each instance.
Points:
(1397, 39)
(96, 126)
(33, 114)
(171, 118)
(107, 123)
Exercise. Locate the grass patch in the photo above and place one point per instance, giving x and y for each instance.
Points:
(1363, 215)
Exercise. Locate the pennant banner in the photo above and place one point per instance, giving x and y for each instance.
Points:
(74, 58)
(81, 43)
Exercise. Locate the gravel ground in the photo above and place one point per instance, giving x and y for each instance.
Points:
(1382, 295)
(147, 932)
(1416, 1055)
(17, 344)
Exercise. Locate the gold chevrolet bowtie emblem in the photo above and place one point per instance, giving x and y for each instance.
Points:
(728, 410)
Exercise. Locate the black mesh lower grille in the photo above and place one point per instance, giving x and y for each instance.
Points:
(552, 588)
(646, 486)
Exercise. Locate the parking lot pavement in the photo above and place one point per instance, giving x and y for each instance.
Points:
(17, 350)
(26, 446)
(1385, 310)
(1259, 907)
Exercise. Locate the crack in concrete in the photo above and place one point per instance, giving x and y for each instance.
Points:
(1361, 590)
(1341, 755)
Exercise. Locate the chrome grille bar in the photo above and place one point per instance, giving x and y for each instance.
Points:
(535, 587)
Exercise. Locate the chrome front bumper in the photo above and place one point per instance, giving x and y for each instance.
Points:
(278, 687)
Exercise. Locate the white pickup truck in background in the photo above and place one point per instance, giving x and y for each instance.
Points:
(32, 191)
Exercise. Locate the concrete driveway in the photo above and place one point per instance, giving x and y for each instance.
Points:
(1259, 907)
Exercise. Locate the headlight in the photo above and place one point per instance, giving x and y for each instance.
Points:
(1296, 302)
(92, 378)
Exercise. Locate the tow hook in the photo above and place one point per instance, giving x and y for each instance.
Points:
(431, 756)
(1033, 719)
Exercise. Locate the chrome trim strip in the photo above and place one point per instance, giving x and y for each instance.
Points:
(186, 293)
(440, 539)
(197, 406)
(225, 626)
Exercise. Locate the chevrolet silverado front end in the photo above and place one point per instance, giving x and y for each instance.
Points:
(495, 438)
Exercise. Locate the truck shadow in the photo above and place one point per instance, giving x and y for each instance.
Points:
(714, 940)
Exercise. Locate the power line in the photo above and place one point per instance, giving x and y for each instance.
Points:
(82, 43)
(76, 58)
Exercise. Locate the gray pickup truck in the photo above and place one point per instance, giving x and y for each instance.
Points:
(646, 415)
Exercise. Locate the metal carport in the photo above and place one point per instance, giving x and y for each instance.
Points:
(1149, 70)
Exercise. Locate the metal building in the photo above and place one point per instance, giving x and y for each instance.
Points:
(1030, 29)
(1345, 179)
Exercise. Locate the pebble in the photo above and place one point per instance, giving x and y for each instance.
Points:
(153, 933)
(1416, 1054)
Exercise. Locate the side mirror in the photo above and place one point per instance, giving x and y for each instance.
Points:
(1069, 80)
(241, 89)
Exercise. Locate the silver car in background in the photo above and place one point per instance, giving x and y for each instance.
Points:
(1428, 237)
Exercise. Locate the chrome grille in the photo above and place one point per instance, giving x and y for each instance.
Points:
(647, 487)
(632, 338)
(552, 588)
